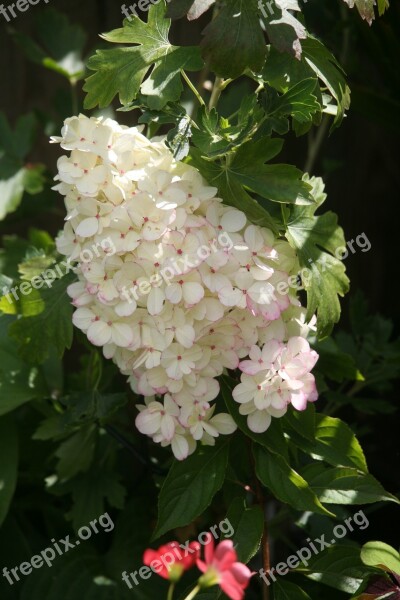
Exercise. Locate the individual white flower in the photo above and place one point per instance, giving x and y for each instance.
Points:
(261, 360)
(83, 171)
(179, 361)
(103, 327)
(158, 418)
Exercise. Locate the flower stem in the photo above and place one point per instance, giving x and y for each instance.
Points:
(193, 593)
(171, 591)
(192, 87)
(216, 92)
(74, 97)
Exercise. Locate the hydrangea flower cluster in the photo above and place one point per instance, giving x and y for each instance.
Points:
(180, 287)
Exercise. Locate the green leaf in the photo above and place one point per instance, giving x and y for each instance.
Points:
(75, 454)
(284, 590)
(80, 573)
(339, 567)
(282, 71)
(325, 65)
(190, 487)
(90, 491)
(34, 179)
(232, 192)
(18, 143)
(345, 486)
(8, 464)
(234, 40)
(18, 381)
(217, 136)
(16, 177)
(336, 365)
(34, 265)
(273, 439)
(335, 443)
(383, 5)
(178, 138)
(83, 407)
(299, 101)
(285, 483)
(61, 44)
(381, 555)
(277, 182)
(301, 421)
(53, 327)
(248, 524)
(283, 29)
(11, 192)
(316, 239)
(123, 70)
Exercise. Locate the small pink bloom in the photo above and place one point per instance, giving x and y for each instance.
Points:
(221, 566)
(171, 560)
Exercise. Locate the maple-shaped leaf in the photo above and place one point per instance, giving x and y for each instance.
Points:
(151, 66)
(246, 172)
(283, 71)
(40, 334)
(234, 40)
(316, 240)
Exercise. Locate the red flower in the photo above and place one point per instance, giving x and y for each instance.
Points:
(171, 560)
(221, 567)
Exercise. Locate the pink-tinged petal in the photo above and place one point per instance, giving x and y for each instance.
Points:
(225, 555)
(99, 333)
(271, 350)
(168, 427)
(180, 447)
(209, 548)
(185, 335)
(82, 318)
(224, 423)
(250, 368)
(309, 359)
(173, 293)
(230, 360)
(229, 296)
(148, 423)
(122, 335)
(242, 393)
(192, 293)
(150, 555)
(299, 401)
(231, 587)
(88, 227)
(233, 220)
(293, 369)
(253, 237)
(201, 565)
(155, 301)
(298, 345)
(241, 573)
(259, 421)
(255, 353)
